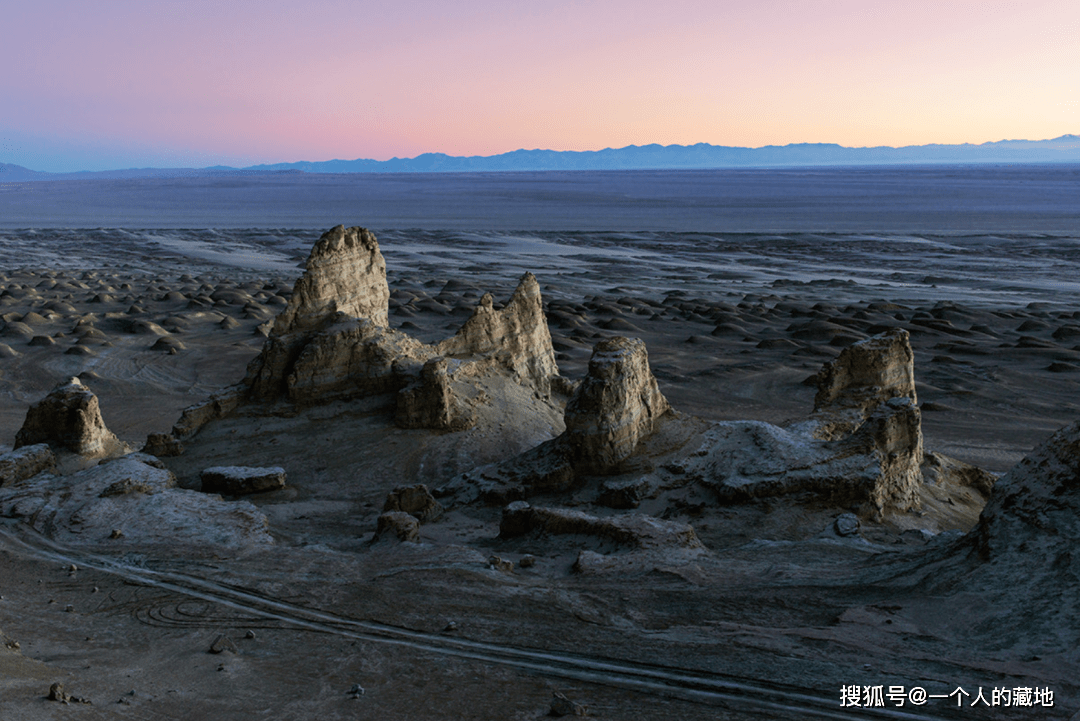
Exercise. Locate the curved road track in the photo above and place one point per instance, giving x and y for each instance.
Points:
(768, 701)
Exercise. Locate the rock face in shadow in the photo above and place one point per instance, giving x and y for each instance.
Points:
(430, 402)
(617, 404)
(69, 419)
(25, 463)
(352, 358)
(1036, 506)
(516, 337)
(863, 376)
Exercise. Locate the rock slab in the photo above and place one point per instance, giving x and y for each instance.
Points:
(242, 480)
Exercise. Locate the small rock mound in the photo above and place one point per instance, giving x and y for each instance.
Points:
(415, 500)
(69, 419)
(429, 402)
(399, 525)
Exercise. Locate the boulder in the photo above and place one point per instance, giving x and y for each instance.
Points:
(416, 500)
(26, 462)
(398, 524)
(241, 480)
(69, 419)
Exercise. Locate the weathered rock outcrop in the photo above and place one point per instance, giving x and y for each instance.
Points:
(878, 465)
(353, 358)
(218, 405)
(1036, 506)
(25, 463)
(871, 455)
(516, 337)
(345, 274)
(618, 403)
(128, 502)
(863, 376)
(430, 402)
(242, 480)
(332, 341)
(345, 278)
(69, 419)
(613, 409)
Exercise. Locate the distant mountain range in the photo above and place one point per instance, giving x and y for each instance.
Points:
(1065, 149)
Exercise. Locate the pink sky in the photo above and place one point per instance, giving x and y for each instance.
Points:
(195, 83)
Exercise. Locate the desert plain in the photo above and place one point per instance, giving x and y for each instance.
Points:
(770, 610)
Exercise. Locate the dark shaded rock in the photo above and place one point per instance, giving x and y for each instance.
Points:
(240, 480)
(398, 524)
(415, 500)
(26, 462)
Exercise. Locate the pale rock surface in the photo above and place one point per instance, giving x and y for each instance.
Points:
(345, 277)
(863, 376)
(69, 419)
(332, 342)
(345, 273)
(516, 337)
(138, 499)
(242, 480)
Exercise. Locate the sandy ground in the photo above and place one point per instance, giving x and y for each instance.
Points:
(769, 625)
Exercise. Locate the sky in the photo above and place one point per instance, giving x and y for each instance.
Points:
(195, 83)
